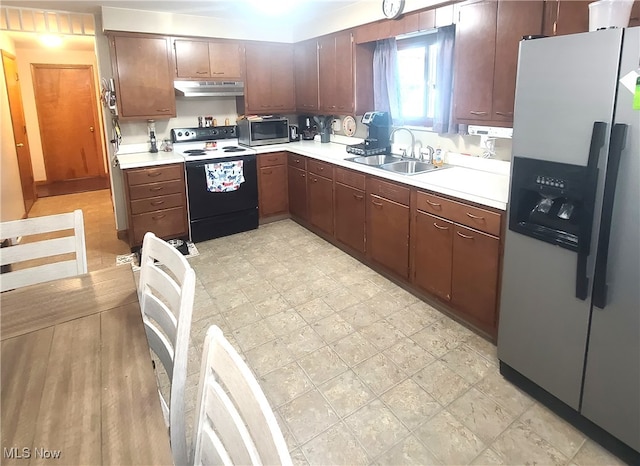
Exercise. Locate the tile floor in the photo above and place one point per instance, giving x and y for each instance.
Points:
(357, 370)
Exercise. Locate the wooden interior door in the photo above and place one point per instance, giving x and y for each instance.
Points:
(68, 117)
(19, 130)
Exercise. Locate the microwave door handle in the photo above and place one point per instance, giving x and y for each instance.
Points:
(618, 142)
(584, 241)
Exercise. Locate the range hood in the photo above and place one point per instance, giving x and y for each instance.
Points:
(208, 88)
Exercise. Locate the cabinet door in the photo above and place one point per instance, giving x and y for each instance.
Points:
(297, 192)
(225, 60)
(515, 19)
(565, 17)
(272, 190)
(350, 216)
(344, 73)
(321, 202)
(388, 234)
(474, 60)
(433, 250)
(306, 74)
(474, 285)
(327, 74)
(143, 68)
(258, 78)
(192, 58)
(283, 97)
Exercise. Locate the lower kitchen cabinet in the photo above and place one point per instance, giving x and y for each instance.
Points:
(474, 277)
(273, 198)
(297, 179)
(349, 211)
(432, 254)
(320, 195)
(156, 202)
(387, 220)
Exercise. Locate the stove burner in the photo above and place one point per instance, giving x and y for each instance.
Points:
(233, 149)
(194, 152)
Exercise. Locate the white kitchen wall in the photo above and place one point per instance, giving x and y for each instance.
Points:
(11, 200)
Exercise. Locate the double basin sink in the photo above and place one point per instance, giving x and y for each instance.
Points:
(396, 164)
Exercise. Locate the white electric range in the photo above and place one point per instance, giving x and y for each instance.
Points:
(213, 214)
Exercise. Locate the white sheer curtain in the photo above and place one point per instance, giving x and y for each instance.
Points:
(443, 118)
(386, 96)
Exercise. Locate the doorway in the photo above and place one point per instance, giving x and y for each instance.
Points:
(68, 118)
(19, 130)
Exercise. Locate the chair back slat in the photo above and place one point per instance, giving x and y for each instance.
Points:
(47, 248)
(229, 425)
(210, 449)
(166, 301)
(222, 366)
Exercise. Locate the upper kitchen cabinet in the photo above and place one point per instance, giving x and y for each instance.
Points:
(306, 75)
(143, 73)
(208, 59)
(345, 83)
(572, 16)
(269, 78)
(487, 38)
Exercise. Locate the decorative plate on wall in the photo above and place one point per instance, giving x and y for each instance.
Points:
(349, 125)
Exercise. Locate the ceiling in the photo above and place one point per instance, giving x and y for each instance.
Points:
(213, 8)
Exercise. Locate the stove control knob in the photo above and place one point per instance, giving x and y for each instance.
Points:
(186, 133)
(179, 133)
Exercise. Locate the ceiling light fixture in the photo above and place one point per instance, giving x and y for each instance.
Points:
(50, 40)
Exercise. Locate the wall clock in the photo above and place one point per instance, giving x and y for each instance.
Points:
(349, 125)
(392, 8)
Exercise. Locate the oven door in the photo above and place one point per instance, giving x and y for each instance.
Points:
(205, 204)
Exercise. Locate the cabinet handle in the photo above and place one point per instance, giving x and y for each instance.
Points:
(376, 204)
(273, 159)
(475, 217)
(218, 72)
(358, 197)
(464, 236)
(154, 174)
(202, 72)
(433, 204)
(439, 227)
(158, 217)
(267, 172)
(321, 168)
(303, 175)
(156, 188)
(504, 113)
(162, 110)
(20, 144)
(297, 160)
(157, 202)
(475, 112)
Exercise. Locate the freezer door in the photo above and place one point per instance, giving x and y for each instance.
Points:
(565, 84)
(611, 396)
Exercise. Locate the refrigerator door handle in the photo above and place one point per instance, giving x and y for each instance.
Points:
(618, 142)
(584, 241)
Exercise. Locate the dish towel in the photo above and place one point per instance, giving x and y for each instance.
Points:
(224, 177)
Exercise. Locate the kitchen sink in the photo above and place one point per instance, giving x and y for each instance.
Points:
(375, 160)
(410, 167)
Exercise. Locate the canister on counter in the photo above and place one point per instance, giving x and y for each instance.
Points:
(200, 122)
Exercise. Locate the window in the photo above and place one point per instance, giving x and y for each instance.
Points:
(417, 58)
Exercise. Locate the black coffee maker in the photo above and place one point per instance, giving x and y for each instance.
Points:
(377, 142)
(307, 128)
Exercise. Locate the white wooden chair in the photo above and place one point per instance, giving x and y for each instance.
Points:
(167, 306)
(43, 249)
(234, 422)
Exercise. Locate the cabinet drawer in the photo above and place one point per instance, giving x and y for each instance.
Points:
(298, 161)
(166, 224)
(141, 206)
(152, 175)
(350, 178)
(320, 168)
(156, 189)
(473, 217)
(391, 191)
(269, 160)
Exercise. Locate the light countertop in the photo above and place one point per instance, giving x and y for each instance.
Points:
(485, 182)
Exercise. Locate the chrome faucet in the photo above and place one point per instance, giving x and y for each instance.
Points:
(413, 139)
(429, 151)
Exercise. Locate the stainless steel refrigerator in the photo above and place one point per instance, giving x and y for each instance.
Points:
(570, 296)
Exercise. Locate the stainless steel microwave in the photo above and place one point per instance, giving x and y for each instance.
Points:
(263, 132)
